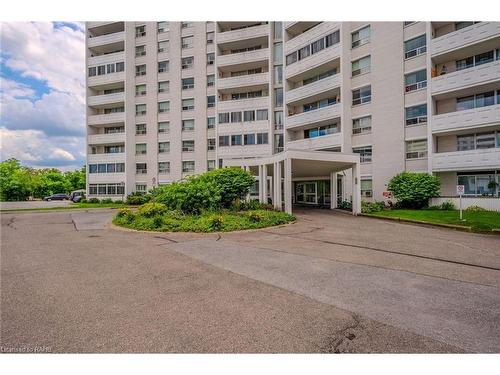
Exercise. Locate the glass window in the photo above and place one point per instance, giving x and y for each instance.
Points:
(210, 58)
(485, 140)
(486, 99)
(120, 66)
(188, 83)
(210, 80)
(278, 118)
(484, 58)
(261, 114)
(187, 104)
(140, 109)
(163, 46)
(332, 39)
(163, 147)
(92, 71)
(140, 90)
(466, 63)
(415, 81)
(278, 74)
(278, 97)
(291, 58)
(188, 146)
(416, 115)
(236, 116)
(210, 101)
(120, 167)
(140, 70)
(462, 25)
(465, 142)
(110, 68)
(163, 107)
(186, 24)
(321, 131)
(210, 165)
(164, 127)
(101, 70)
(278, 142)
(140, 51)
(362, 95)
(360, 37)
(163, 86)
(304, 52)
(223, 140)
(465, 103)
(361, 66)
(278, 30)
(210, 122)
(362, 125)
(163, 66)
(211, 144)
(415, 46)
(163, 167)
(317, 46)
(262, 138)
(140, 188)
(249, 115)
(163, 27)
(365, 153)
(140, 129)
(140, 31)
(140, 149)
(224, 118)
(187, 42)
(278, 53)
(187, 62)
(236, 140)
(188, 125)
(101, 168)
(92, 168)
(210, 37)
(366, 187)
(249, 139)
(187, 166)
(416, 149)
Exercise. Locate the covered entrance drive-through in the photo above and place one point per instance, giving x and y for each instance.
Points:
(305, 170)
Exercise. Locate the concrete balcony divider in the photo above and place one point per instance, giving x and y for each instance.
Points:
(316, 143)
(463, 37)
(96, 178)
(106, 158)
(242, 34)
(476, 75)
(106, 39)
(310, 36)
(111, 118)
(243, 81)
(98, 100)
(314, 88)
(313, 61)
(469, 119)
(244, 151)
(484, 159)
(243, 104)
(312, 117)
(106, 79)
(243, 57)
(101, 139)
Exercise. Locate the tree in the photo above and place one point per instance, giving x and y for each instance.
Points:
(15, 181)
(413, 190)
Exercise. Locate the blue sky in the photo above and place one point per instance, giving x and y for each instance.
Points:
(43, 93)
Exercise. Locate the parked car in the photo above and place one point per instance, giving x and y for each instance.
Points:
(56, 197)
(77, 195)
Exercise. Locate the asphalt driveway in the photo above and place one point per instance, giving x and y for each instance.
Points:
(329, 283)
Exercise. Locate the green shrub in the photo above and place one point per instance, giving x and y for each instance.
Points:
(138, 198)
(413, 190)
(254, 217)
(369, 207)
(125, 215)
(345, 205)
(475, 209)
(93, 200)
(447, 206)
(232, 183)
(158, 221)
(216, 222)
(107, 201)
(152, 209)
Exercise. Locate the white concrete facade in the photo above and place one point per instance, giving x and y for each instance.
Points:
(398, 94)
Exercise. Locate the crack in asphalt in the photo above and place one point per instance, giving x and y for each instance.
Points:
(333, 346)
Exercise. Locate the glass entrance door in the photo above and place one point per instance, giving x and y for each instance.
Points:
(306, 192)
(339, 190)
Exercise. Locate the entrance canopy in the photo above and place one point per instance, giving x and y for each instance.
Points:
(300, 164)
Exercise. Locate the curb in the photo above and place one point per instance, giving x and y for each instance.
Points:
(462, 228)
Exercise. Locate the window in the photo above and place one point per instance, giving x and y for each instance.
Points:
(224, 118)
(236, 140)
(362, 95)
(361, 66)
(101, 168)
(210, 122)
(140, 129)
(478, 141)
(92, 71)
(416, 81)
(416, 115)
(476, 101)
(114, 149)
(210, 80)
(362, 125)
(141, 188)
(187, 62)
(332, 39)
(140, 90)
(114, 129)
(408, 23)
(466, 142)
(140, 109)
(140, 70)
(163, 46)
(185, 25)
(188, 146)
(365, 153)
(278, 74)
(210, 37)
(187, 104)
(485, 140)
(101, 70)
(236, 116)
(482, 58)
(120, 167)
(415, 46)
(223, 140)
(187, 42)
(210, 58)
(211, 101)
(120, 66)
(304, 52)
(163, 66)
(187, 166)
(249, 139)
(462, 25)
(211, 144)
(262, 138)
(278, 53)
(163, 147)
(164, 127)
(278, 30)
(319, 104)
(114, 110)
(140, 149)
(416, 149)
(477, 184)
(278, 142)
(140, 31)
(163, 107)
(163, 167)
(249, 116)
(140, 51)
(322, 130)
(188, 125)
(110, 68)
(210, 165)
(278, 97)
(292, 58)
(188, 83)
(163, 86)
(163, 27)
(360, 37)
(366, 187)
(313, 48)
(317, 46)
(466, 63)
(278, 119)
(261, 114)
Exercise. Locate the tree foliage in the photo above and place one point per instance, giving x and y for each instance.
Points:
(18, 183)
(413, 190)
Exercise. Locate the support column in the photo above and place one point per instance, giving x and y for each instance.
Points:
(247, 169)
(288, 185)
(356, 189)
(333, 190)
(275, 185)
(261, 174)
(264, 184)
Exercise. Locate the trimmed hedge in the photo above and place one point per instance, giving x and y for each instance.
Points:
(413, 190)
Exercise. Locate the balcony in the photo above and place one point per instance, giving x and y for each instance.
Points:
(484, 159)
(106, 79)
(106, 158)
(464, 37)
(98, 100)
(254, 32)
(96, 178)
(105, 119)
(316, 143)
(251, 80)
(103, 40)
(313, 61)
(312, 89)
(469, 119)
(101, 139)
(477, 75)
(311, 35)
(106, 59)
(243, 104)
(312, 117)
(243, 57)
(237, 152)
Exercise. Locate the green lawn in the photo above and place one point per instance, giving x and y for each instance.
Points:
(483, 221)
(71, 207)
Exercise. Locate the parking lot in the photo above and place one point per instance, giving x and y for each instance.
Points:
(329, 283)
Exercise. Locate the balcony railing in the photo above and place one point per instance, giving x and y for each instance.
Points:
(106, 79)
(310, 35)
(105, 39)
(314, 88)
(118, 157)
(243, 81)
(468, 119)
(322, 57)
(243, 104)
(483, 159)
(416, 86)
(106, 59)
(252, 32)
(415, 52)
(100, 139)
(111, 118)
(314, 116)
(97, 100)
(243, 57)
(316, 143)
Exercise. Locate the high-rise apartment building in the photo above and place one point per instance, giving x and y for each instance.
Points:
(170, 99)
